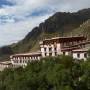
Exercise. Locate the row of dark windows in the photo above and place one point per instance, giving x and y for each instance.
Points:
(78, 55)
(24, 61)
(50, 49)
(50, 54)
(26, 57)
(20, 61)
(85, 55)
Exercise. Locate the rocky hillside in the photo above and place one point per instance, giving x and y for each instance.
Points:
(84, 30)
(60, 24)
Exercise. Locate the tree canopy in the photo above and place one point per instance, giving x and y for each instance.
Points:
(51, 73)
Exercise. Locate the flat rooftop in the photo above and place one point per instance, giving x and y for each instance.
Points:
(82, 49)
(5, 63)
(64, 39)
(27, 54)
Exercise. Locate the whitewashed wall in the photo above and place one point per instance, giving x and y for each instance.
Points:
(75, 55)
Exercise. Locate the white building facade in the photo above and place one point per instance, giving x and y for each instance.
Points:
(54, 47)
(80, 54)
(4, 65)
(18, 60)
(61, 45)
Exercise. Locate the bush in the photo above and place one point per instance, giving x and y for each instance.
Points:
(57, 73)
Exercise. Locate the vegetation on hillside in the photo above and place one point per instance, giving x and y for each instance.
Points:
(5, 52)
(57, 73)
(84, 29)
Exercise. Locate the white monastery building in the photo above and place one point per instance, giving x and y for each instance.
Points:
(61, 45)
(80, 53)
(74, 46)
(6, 64)
(22, 59)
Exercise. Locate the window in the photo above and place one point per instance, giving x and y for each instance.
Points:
(20, 61)
(85, 55)
(44, 49)
(16, 61)
(63, 53)
(55, 53)
(45, 54)
(23, 61)
(55, 48)
(78, 55)
(50, 49)
(50, 54)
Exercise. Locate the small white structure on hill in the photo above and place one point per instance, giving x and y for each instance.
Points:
(6, 64)
(80, 53)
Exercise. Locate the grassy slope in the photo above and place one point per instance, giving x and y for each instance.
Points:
(84, 30)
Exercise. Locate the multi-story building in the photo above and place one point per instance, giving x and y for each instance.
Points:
(61, 45)
(73, 46)
(24, 58)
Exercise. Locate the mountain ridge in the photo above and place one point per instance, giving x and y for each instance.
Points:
(60, 24)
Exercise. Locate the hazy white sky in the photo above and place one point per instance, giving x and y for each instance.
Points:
(18, 17)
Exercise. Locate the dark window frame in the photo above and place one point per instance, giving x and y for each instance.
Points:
(78, 55)
(85, 55)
